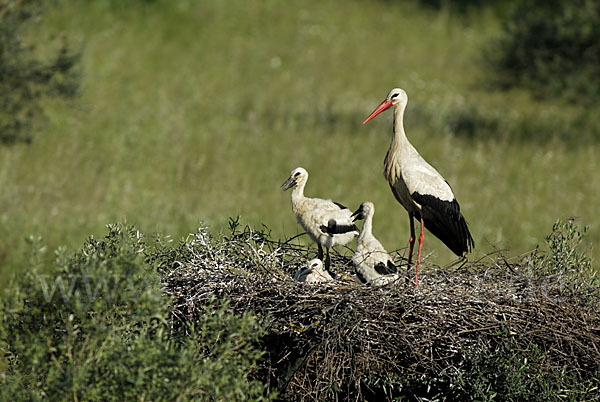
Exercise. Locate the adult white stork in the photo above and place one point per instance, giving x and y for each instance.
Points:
(315, 214)
(372, 263)
(313, 273)
(420, 189)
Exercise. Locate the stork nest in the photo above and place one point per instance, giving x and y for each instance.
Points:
(343, 339)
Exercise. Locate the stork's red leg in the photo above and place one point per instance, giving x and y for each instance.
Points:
(411, 241)
(421, 239)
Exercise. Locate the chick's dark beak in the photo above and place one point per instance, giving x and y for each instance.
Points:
(358, 214)
(289, 183)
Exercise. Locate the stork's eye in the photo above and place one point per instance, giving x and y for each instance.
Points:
(394, 96)
(296, 174)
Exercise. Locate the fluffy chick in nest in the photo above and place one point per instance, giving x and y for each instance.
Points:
(314, 272)
(372, 262)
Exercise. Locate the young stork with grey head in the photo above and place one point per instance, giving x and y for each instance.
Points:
(372, 263)
(316, 214)
(313, 273)
(420, 189)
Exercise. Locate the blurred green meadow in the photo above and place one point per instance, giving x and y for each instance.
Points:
(192, 112)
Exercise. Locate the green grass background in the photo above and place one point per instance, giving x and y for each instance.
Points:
(196, 111)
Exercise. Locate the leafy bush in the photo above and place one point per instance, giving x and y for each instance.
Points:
(552, 47)
(24, 80)
(565, 254)
(100, 327)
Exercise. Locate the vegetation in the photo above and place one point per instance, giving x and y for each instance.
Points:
(129, 318)
(99, 327)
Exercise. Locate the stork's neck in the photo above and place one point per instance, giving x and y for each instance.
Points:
(367, 229)
(298, 192)
(399, 140)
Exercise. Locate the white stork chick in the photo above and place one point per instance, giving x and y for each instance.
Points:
(421, 190)
(372, 263)
(315, 214)
(313, 273)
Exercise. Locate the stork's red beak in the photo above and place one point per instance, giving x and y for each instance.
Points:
(385, 105)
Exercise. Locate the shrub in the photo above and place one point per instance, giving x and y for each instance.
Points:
(100, 327)
(564, 254)
(552, 47)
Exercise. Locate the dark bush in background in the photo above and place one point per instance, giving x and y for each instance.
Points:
(552, 47)
(460, 5)
(24, 80)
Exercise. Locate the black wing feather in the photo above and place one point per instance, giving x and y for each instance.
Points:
(444, 220)
(334, 228)
(391, 267)
(384, 269)
(340, 205)
(360, 277)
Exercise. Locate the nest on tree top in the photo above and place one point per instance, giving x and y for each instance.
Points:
(342, 337)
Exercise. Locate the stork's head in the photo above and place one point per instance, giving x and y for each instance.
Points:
(315, 265)
(396, 97)
(366, 209)
(297, 177)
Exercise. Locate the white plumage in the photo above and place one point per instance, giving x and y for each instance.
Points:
(421, 190)
(314, 214)
(313, 273)
(372, 263)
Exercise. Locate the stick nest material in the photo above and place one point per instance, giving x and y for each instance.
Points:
(335, 339)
